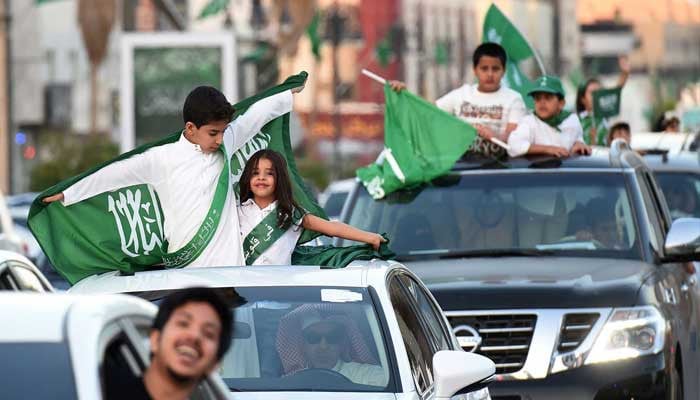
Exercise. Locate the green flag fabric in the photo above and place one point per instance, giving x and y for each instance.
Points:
(338, 257)
(314, 37)
(606, 102)
(421, 143)
(213, 7)
(498, 29)
(105, 233)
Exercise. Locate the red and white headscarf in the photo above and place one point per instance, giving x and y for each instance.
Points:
(290, 341)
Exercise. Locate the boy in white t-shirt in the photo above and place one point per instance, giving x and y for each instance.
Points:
(494, 110)
(551, 130)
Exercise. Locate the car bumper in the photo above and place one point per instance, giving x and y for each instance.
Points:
(641, 378)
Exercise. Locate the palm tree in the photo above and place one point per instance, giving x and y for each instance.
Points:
(96, 20)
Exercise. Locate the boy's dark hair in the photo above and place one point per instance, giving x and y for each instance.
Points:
(492, 50)
(206, 104)
(198, 295)
(620, 126)
(283, 186)
(581, 93)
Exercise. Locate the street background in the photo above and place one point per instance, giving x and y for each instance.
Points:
(68, 68)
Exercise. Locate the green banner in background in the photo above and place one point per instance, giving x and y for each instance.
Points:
(163, 76)
(606, 102)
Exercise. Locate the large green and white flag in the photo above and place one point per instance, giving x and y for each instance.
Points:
(498, 29)
(422, 142)
(606, 102)
(123, 229)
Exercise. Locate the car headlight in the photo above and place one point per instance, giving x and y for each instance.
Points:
(629, 333)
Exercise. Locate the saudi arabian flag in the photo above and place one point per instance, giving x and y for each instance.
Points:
(123, 230)
(498, 29)
(606, 102)
(421, 143)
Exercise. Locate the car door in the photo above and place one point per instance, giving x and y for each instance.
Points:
(678, 282)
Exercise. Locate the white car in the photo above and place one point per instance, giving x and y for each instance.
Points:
(9, 239)
(18, 273)
(60, 346)
(368, 331)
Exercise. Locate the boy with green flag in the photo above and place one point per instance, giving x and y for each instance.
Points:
(551, 130)
(189, 176)
(493, 109)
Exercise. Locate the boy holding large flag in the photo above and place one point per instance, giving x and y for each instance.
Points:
(193, 178)
(493, 109)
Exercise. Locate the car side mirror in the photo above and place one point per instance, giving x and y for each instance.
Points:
(683, 240)
(458, 372)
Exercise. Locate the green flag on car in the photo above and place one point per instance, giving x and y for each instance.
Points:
(122, 230)
(498, 29)
(421, 143)
(606, 102)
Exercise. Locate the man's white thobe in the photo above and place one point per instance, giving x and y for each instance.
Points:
(185, 179)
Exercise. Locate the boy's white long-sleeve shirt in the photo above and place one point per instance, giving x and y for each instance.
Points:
(532, 130)
(185, 180)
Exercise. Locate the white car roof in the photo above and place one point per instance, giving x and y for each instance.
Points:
(357, 274)
(673, 142)
(6, 255)
(33, 317)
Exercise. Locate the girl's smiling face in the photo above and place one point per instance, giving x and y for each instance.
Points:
(262, 181)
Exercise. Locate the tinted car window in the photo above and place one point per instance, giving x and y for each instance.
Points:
(682, 193)
(581, 214)
(334, 203)
(429, 312)
(418, 348)
(36, 371)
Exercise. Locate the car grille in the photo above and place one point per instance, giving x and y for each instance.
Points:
(505, 339)
(575, 329)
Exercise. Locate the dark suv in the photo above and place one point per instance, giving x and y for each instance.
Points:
(568, 273)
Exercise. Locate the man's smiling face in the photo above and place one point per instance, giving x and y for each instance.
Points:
(188, 343)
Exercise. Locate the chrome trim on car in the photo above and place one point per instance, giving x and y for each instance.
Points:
(543, 347)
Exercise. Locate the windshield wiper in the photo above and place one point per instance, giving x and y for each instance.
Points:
(497, 253)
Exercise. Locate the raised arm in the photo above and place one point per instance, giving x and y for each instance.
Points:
(247, 125)
(625, 69)
(138, 169)
(341, 230)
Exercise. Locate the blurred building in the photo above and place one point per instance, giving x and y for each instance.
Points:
(441, 36)
(662, 39)
(50, 71)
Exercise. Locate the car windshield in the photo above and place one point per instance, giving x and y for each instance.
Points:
(682, 193)
(305, 339)
(334, 203)
(497, 214)
(31, 363)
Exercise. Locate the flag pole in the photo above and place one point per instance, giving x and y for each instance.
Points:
(371, 75)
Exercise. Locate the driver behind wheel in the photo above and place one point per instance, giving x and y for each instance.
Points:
(329, 341)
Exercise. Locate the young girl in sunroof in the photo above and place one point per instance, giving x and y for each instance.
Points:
(271, 221)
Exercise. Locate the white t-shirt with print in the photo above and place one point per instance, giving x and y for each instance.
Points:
(495, 110)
